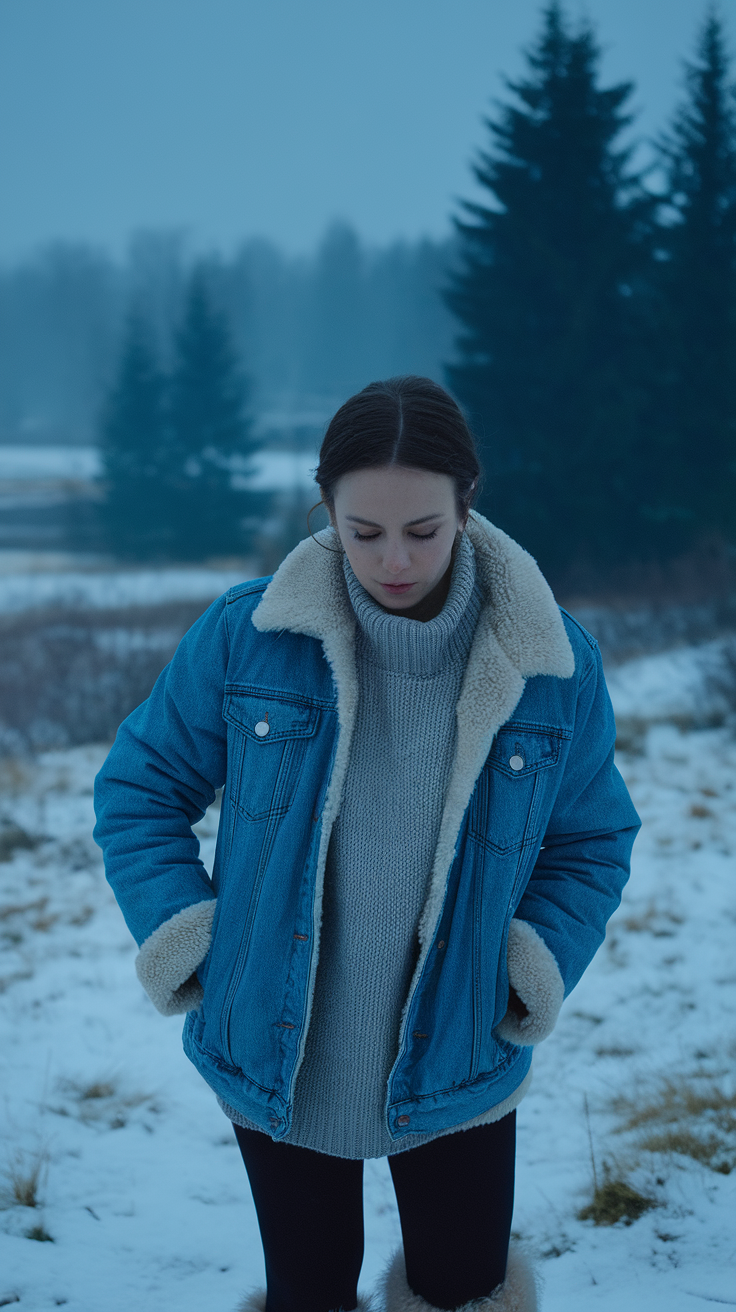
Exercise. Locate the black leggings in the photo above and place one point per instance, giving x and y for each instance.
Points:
(455, 1197)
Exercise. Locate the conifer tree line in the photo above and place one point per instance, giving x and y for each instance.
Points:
(595, 355)
(175, 444)
(597, 304)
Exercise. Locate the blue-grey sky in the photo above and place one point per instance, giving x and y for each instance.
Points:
(231, 118)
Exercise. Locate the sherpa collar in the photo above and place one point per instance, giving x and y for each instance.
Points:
(307, 594)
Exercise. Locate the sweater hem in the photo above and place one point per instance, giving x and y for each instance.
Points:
(495, 1113)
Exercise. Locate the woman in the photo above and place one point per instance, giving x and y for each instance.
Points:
(422, 837)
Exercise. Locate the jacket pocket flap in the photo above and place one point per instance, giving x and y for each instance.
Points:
(519, 751)
(266, 718)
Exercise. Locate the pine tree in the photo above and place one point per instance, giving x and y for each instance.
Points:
(698, 284)
(133, 450)
(548, 293)
(210, 438)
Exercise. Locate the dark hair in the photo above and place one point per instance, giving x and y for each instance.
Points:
(407, 421)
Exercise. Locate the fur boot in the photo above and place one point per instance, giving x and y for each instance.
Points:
(253, 1302)
(256, 1302)
(518, 1293)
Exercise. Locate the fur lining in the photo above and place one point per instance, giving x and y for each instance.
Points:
(256, 1302)
(520, 634)
(170, 955)
(308, 594)
(534, 974)
(518, 1293)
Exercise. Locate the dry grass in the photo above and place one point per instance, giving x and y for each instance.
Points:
(70, 677)
(14, 839)
(655, 920)
(39, 1233)
(689, 1118)
(615, 1200)
(21, 908)
(24, 1178)
(101, 1102)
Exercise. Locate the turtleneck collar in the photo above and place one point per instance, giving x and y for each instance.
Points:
(420, 647)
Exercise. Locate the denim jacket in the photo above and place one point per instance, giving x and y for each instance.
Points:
(536, 834)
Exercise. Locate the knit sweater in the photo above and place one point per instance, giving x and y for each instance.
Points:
(378, 866)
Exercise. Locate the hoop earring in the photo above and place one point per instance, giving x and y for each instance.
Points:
(336, 551)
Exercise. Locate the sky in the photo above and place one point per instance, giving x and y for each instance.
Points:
(229, 119)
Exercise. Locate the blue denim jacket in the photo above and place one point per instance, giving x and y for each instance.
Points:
(259, 700)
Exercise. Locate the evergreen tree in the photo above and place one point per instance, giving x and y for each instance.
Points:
(209, 439)
(549, 293)
(698, 285)
(134, 450)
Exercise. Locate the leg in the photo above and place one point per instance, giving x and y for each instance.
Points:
(310, 1214)
(455, 1197)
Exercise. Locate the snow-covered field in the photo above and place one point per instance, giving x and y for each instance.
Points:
(141, 1198)
(113, 589)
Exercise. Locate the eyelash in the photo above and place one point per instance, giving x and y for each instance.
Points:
(371, 537)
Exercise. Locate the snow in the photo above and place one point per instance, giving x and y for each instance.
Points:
(142, 1189)
(31, 462)
(112, 589)
(271, 469)
(672, 684)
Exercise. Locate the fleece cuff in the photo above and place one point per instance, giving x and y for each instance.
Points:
(170, 955)
(534, 974)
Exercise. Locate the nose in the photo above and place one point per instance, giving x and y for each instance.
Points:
(396, 557)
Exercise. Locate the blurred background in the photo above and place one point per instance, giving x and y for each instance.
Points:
(219, 219)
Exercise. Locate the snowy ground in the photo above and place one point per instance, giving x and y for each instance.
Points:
(113, 589)
(141, 1196)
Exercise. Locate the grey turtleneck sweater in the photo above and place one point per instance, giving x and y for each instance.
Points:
(379, 864)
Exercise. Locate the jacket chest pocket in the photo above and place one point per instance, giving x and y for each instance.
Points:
(272, 737)
(506, 807)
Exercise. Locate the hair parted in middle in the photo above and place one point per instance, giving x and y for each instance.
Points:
(409, 421)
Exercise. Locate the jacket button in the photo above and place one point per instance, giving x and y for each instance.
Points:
(516, 762)
(403, 1120)
(262, 728)
(441, 944)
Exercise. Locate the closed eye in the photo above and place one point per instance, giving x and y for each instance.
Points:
(371, 537)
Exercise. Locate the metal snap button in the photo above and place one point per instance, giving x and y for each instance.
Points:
(516, 762)
(403, 1120)
(263, 727)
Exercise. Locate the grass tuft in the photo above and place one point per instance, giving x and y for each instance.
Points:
(38, 1233)
(97, 1089)
(688, 1117)
(615, 1200)
(24, 1179)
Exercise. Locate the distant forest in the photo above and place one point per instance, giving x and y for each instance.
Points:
(583, 313)
(309, 330)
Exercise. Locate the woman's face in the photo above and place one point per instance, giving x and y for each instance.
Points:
(398, 527)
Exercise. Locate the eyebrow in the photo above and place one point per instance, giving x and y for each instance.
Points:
(358, 519)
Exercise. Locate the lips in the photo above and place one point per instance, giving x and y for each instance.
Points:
(397, 588)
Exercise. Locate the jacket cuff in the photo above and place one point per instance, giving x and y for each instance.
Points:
(534, 974)
(170, 955)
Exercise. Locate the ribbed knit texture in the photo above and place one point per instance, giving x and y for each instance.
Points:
(379, 861)
(379, 865)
